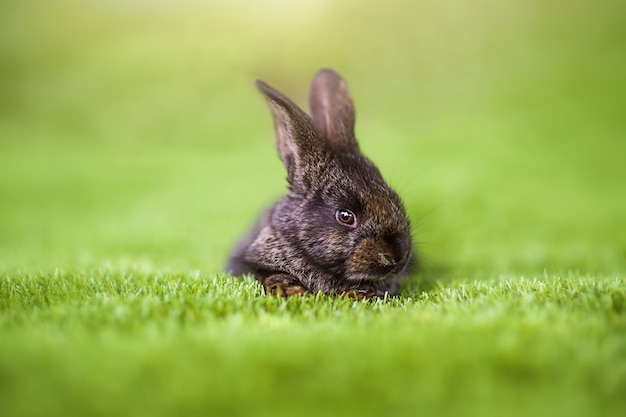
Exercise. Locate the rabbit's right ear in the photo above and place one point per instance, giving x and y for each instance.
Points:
(333, 111)
(298, 142)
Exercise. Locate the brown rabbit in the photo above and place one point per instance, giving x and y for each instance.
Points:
(340, 229)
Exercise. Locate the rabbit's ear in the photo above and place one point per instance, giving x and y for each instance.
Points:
(297, 140)
(333, 111)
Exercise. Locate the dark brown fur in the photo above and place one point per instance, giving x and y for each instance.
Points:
(298, 246)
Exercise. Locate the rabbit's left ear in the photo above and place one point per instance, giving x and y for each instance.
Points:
(333, 111)
(297, 140)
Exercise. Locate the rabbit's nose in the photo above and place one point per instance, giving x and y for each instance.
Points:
(386, 259)
(399, 249)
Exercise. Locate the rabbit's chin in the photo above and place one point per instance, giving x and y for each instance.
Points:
(371, 277)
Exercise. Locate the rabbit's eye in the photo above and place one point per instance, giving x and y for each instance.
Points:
(346, 217)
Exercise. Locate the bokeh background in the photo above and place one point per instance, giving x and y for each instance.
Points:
(131, 132)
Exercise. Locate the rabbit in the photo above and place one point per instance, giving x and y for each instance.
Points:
(340, 229)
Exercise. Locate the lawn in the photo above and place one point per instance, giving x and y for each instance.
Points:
(135, 150)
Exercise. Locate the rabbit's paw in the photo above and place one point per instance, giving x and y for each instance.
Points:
(283, 285)
(359, 294)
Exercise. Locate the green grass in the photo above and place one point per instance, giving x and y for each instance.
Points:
(137, 343)
(134, 150)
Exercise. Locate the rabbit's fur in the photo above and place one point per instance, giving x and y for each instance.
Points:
(300, 244)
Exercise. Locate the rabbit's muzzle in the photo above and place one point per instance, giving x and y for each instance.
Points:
(376, 259)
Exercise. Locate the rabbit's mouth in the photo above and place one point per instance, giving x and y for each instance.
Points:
(374, 276)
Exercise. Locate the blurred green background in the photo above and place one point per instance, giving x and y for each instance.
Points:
(131, 132)
(134, 144)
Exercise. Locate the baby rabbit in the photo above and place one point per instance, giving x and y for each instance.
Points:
(340, 229)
